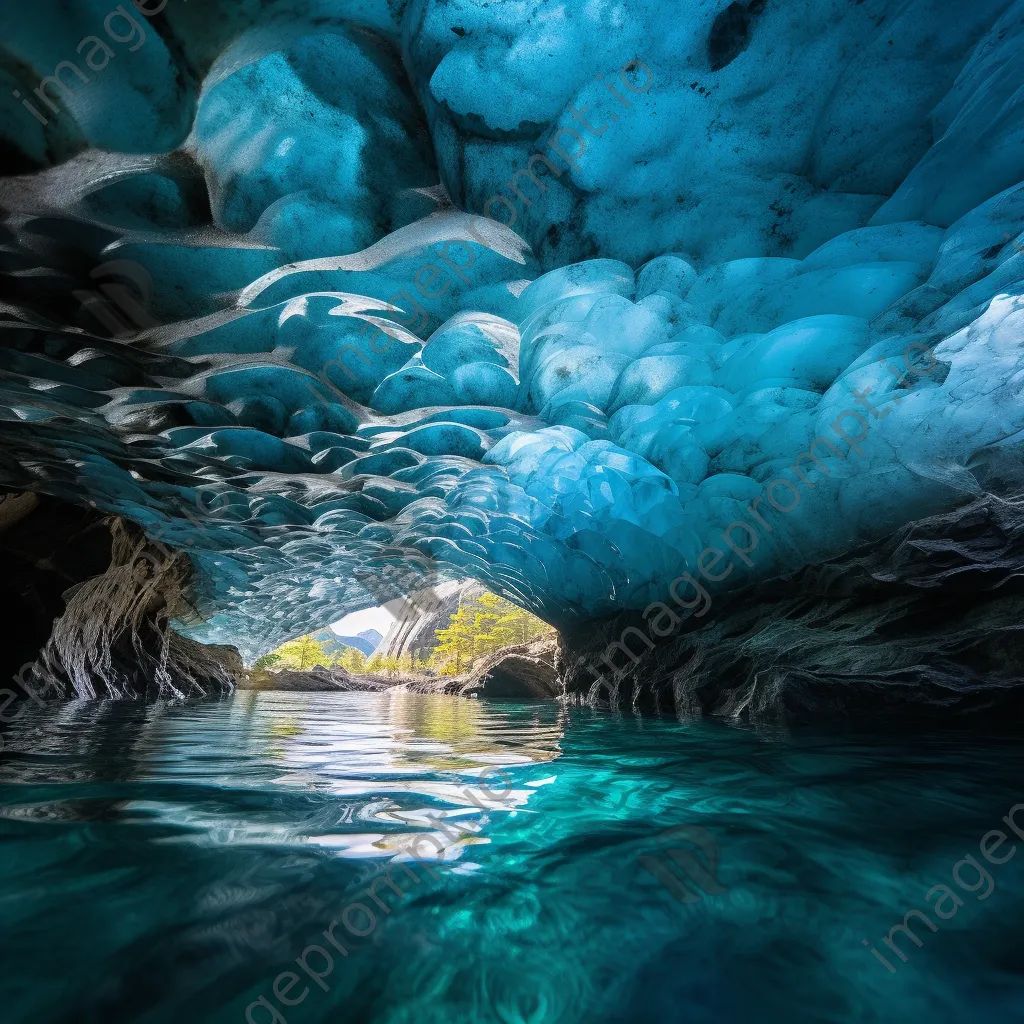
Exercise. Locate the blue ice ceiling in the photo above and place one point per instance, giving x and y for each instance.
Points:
(346, 297)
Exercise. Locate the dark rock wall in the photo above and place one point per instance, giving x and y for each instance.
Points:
(525, 672)
(928, 625)
(89, 602)
(47, 546)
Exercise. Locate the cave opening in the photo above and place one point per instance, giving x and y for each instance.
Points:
(455, 637)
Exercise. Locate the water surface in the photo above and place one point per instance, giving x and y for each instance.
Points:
(165, 863)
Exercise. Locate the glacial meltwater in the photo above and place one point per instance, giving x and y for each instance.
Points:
(165, 863)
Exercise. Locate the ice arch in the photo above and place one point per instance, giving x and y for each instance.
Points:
(337, 381)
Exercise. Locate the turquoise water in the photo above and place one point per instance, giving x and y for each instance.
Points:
(167, 863)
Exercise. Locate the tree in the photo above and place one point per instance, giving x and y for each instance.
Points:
(303, 653)
(521, 625)
(482, 627)
(456, 640)
(264, 662)
(352, 660)
(390, 665)
(486, 613)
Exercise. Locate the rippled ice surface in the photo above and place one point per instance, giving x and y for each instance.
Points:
(166, 863)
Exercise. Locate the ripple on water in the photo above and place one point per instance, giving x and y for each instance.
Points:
(163, 862)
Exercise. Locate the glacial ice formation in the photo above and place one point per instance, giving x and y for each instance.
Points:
(551, 296)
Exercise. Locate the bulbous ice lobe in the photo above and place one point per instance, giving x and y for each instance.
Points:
(784, 315)
(314, 144)
(117, 84)
(723, 129)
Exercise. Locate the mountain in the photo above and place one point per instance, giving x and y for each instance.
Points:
(366, 641)
(371, 636)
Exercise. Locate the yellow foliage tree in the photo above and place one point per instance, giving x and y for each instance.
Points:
(352, 660)
(302, 653)
(456, 642)
(520, 625)
(390, 665)
(483, 627)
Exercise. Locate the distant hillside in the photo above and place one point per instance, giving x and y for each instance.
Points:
(367, 641)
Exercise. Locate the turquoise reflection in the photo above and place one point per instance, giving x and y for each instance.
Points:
(165, 863)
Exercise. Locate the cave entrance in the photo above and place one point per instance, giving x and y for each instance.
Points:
(457, 632)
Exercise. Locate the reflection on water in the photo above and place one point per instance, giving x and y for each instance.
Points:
(373, 758)
(163, 863)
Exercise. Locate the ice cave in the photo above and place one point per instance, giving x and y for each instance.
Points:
(693, 329)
